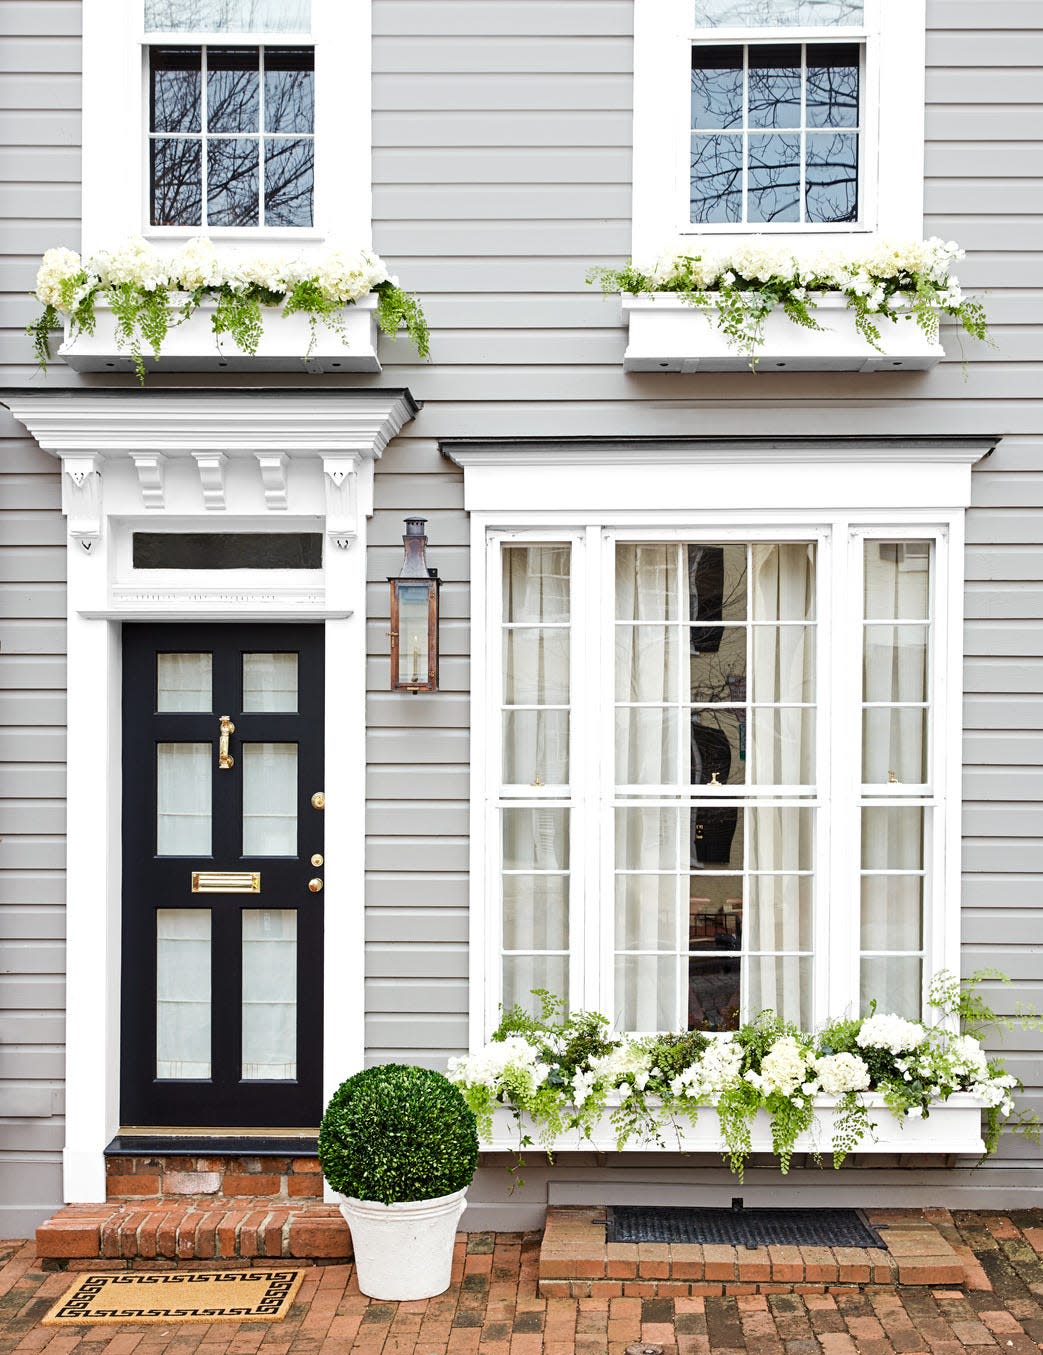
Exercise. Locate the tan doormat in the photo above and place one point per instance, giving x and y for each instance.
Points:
(178, 1296)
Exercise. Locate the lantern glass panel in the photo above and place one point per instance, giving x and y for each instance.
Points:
(413, 632)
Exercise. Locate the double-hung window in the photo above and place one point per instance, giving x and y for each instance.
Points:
(716, 751)
(799, 118)
(245, 120)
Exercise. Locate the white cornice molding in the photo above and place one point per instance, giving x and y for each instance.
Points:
(111, 423)
(717, 451)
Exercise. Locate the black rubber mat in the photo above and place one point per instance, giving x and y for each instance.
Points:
(742, 1227)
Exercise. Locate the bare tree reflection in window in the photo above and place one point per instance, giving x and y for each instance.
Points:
(232, 181)
(233, 89)
(289, 177)
(227, 16)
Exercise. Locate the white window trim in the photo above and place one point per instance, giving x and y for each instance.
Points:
(115, 131)
(812, 491)
(891, 155)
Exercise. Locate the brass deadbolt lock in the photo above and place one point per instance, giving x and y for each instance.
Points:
(318, 800)
(315, 885)
(317, 859)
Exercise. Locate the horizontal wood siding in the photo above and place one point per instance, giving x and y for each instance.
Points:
(39, 206)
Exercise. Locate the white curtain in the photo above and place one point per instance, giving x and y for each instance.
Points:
(651, 588)
(183, 791)
(781, 753)
(269, 943)
(536, 602)
(182, 992)
(897, 590)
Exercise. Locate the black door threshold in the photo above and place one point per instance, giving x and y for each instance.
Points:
(214, 1145)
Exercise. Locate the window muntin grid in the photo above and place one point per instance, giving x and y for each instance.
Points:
(775, 133)
(897, 717)
(713, 895)
(232, 136)
(535, 809)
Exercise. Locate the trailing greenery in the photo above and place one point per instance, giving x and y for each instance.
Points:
(395, 1133)
(151, 293)
(561, 1071)
(897, 282)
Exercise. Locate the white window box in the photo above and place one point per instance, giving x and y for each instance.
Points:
(954, 1126)
(669, 335)
(192, 346)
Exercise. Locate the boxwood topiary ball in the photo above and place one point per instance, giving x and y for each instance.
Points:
(397, 1133)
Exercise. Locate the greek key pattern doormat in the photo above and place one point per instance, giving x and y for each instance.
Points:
(178, 1296)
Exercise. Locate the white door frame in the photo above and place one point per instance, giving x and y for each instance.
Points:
(199, 460)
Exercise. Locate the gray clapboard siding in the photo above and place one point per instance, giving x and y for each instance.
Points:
(507, 18)
(39, 206)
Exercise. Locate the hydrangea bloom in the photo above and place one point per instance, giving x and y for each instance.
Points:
(840, 1073)
(57, 267)
(886, 1030)
(135, 261)
(784, 1069)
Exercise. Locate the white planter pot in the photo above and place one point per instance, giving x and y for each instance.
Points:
(192, 346)
(953, 1127)
(666, 334)
(404, 1251)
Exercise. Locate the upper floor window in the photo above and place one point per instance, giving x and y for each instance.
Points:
(770, 116)
(232, 136)
(235, 118)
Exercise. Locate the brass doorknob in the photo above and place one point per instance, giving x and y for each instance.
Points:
(315, 885)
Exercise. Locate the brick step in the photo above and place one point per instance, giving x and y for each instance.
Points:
(577, 1262)
(133, 1174)
(158, 1233)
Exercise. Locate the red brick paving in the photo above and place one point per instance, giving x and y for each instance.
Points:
(493, 1308)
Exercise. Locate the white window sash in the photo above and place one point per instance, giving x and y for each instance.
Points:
(891, 161)
(837, 798)
(117, 205)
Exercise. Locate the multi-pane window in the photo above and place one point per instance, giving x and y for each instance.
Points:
(232, 135)
(896, 739)
(714, 748)
(535, 804)
(776, 121)
(715, 778)
(775, 133)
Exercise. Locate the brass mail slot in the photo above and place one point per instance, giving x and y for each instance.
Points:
(226, 882)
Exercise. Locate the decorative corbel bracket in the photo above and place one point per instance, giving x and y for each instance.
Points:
(342, 508)
(150, 468)
(81, 498)
(273, 478)
(211, 467)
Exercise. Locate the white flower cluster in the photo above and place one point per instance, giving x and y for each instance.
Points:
(58, 266)
(717, 1069)
(512, 1066)
(342, 275)
(840, 1073)
(786, 1068)
(886, 1030)
(759, 259)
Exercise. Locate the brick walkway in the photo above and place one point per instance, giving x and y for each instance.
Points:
(493, 1309)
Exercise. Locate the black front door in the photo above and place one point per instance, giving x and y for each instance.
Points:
(222, 870)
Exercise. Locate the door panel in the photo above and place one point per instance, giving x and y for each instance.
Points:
(222, 938)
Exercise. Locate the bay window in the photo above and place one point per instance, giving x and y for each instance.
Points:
(716, 750)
